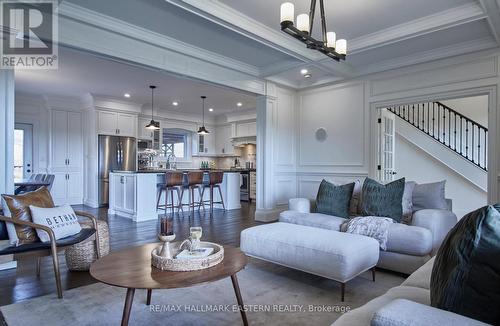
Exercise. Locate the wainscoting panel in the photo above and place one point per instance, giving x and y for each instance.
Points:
(285, 187)
(332, 127)
(284, 128)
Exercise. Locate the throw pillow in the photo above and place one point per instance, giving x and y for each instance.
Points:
(355, 199)
(383, 200)
(19, 210)
(62, 220)
(429, 196)
(466, 272)
(334, 200)
(408, 202)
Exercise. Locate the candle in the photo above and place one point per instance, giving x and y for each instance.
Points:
(166, 226)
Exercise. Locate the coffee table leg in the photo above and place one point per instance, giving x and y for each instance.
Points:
(148, 300)
(128, 306)
(240, 300)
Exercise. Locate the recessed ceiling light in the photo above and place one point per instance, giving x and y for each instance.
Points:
(211, 109)
(307, 76)
(127, 95)
(304, 71)
(174, 103)
(239, 104)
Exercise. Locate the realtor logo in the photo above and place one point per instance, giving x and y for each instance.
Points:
(29, 34)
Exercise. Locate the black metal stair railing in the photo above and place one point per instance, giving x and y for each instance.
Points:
(464, 136)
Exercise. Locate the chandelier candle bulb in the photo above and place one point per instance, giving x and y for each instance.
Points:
(303, 23)
(287, 12)
(331, 38)
(341, 46)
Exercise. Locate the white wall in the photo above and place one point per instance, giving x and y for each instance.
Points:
(416, 165)
(474, 108)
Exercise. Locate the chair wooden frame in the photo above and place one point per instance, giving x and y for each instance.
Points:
(53, 246)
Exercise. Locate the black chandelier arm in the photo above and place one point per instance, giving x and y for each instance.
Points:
(312, 10)
(323, 20)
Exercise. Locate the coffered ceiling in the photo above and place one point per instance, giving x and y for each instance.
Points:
(245, 35)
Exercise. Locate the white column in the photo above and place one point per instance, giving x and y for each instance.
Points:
(6, 143)
(266, 106)
(6, 131)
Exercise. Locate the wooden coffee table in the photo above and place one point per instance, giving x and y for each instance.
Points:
(131, 269)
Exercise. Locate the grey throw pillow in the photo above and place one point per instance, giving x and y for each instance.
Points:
(466, 273)
(383, 200)
(356, 198)
(334, 200)
(429, 196)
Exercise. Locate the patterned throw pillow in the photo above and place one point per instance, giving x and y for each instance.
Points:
(62, 220)
(334, 200)
(383, 200)
(466, 272)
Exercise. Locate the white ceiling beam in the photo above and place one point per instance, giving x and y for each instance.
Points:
(491, 8)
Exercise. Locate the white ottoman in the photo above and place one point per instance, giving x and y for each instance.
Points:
(335, 255)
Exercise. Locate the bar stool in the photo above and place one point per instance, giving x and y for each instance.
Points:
(215, 180)
(172, 182)
(194, 181)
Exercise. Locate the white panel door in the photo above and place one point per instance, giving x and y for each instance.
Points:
(75, 142)
(387, 144)
(107, 123)
(74, 188)
(59, 188)
(59, 140)
(126, 125)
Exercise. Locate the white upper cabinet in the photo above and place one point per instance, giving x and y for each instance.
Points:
(223, 144)
(246, 129)
(119, 124)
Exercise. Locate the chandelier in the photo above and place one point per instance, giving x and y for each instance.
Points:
(330, 46)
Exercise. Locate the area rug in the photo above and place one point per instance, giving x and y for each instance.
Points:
(273, 295)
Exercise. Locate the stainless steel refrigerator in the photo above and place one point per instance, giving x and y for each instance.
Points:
(115, 154)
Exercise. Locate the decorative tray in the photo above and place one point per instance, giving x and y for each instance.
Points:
(186, 265)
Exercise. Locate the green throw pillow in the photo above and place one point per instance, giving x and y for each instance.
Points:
(383, 200)
(334, 200)
(466, 274)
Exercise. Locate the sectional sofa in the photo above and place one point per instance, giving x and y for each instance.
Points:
(409, 246)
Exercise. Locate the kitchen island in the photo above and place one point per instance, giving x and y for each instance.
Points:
(134, 194)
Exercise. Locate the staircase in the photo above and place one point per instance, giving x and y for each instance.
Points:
(458, 133)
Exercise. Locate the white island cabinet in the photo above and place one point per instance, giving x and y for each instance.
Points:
(134, 194)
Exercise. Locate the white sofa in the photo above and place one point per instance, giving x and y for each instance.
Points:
(408, 246)
(407, 304)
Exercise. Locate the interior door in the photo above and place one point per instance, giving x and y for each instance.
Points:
(23, 151)
(386, 146)
(59, 141)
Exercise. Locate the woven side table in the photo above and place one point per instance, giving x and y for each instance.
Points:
(80, 256)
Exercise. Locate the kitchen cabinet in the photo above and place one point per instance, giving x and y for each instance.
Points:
(123, 193)
(246, 129)
(206, 144)
(116, 124)
(223, 137)
(66, 157)
(143, 132)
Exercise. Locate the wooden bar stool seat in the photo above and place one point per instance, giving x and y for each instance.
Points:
(172, 182)
(194, 181)
(215, 181)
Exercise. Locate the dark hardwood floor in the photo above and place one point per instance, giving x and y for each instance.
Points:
(22, 283)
